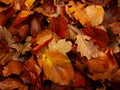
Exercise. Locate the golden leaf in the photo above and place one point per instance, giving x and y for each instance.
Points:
(29, 3)
(57, 67)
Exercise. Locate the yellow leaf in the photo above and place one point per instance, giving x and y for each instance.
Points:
(29, 3)
(57, 67)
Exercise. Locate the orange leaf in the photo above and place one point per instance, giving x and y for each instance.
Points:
(13, 67)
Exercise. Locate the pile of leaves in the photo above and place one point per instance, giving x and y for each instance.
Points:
(59, 44)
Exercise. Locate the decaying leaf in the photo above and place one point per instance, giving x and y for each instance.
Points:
(60, 46)
(57, 68)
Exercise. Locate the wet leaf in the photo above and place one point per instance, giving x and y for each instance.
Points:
(57, 68)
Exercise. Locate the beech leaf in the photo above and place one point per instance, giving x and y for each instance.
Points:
(57, 67)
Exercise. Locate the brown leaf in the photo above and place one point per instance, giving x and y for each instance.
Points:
(10, 84)
(112, 15)
(31, 71)
(59, 25)
(14, 67)
(102, 67)
(115, 27)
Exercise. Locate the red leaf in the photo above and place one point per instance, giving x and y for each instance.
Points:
(59, 25)
(99, 36)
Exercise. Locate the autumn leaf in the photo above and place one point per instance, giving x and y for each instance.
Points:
(77, 11)
(7, 1)
(57, 67)
(98, 35)
(59, 26)
(103, 66)
(86, 46)
(23, 15)
(61, 46)
(13, 67)
(29, 3)
(95, 14)
(10, 83)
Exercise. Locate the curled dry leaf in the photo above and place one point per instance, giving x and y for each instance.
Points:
(60, 46)
(57, 67)
(11, 84)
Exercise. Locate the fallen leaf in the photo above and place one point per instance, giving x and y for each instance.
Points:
(14, 67)
(10, 83)
(95, 14)
(60, 46)
(57, 67)
(59, 25)
(7, 1)
(29, 3)
(86, 47)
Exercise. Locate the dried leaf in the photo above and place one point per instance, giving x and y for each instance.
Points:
(86, 46)
(29, 3)
(23, 15)
(57, 67)
(98, 35)
(102, 67)
(49, 6)
(60, 46)
(14, 67)
(11, 84)
(95, 14)
(77, 11)
(59, 25)
(79, 80)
